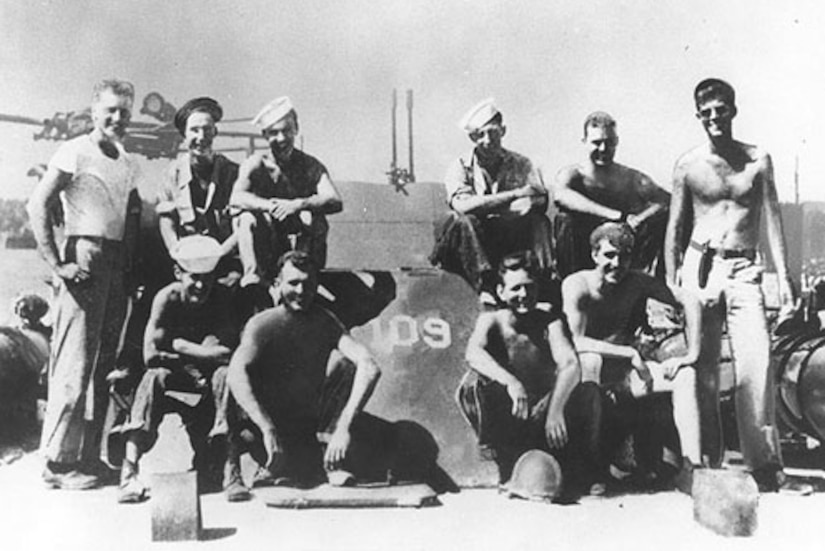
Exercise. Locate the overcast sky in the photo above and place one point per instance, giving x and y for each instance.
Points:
(548, 63)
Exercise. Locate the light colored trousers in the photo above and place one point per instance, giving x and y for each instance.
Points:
(88, 320)
(733, 297)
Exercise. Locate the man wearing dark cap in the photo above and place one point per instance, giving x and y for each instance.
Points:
(194, 196)
(598, 190)
(720, 191)
(284, 196)
(497, 202)
(187, 345)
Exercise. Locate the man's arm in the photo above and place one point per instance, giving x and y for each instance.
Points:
(566, 196)
(242, 196)
(655, 197)
(568, 375)
(363, 384)
(210, 350)
(680, 212)
(483, 362)
(574, 294)
(246, 356)
(45, 195)
(462, 197)
(325, 200)
(157, 343)
(776, 239)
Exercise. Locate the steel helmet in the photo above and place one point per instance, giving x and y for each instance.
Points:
(536, 476)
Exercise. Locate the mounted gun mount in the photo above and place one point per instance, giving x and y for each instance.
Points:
(400, 177)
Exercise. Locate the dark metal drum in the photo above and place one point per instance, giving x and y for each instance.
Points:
(799, 367)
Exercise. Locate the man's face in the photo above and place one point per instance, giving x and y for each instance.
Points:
(199, 135)
(488, 139)
(518, 291)
(297, 288)
(196, 287)
(281, 137)
(716, 115)
(611, 262)
(600, 144)
(111, 114)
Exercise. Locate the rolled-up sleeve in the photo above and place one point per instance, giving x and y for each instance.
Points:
(456, 182)
(167, 192)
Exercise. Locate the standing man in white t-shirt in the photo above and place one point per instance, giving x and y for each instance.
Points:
(95, 180)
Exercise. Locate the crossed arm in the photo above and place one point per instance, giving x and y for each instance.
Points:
(325, 200)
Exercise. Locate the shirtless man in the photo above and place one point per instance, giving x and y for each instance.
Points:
(524, 366)
(602, 306)
(282, 377)
(720, 190)
(600, 189)
(284, 196)
(188, 341)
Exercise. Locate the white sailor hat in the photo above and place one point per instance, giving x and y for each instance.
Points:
(197, 254)
(479, 115)
(272, 112)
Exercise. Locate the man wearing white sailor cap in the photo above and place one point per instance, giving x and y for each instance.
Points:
(497, 201)
(189, 339)
(284, 196)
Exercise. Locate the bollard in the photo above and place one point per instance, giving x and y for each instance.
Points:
(725, 501)
(176, 507)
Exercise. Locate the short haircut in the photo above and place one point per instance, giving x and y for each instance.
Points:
(618, 234)
(300, 260)
(521, 260)
(498, 118)
(713, 88)
(599, 119)
(117, 87)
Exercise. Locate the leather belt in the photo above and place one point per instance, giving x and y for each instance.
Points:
(750, 254)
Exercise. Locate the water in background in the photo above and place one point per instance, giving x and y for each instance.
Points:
(21, 270)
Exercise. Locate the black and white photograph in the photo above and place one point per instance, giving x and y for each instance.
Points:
(412, 274)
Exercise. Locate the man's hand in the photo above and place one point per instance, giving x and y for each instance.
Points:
(644, 372)
(71, 272)
(519, 397)
(274, 451)
(556, 431)
(671, 367)
(283, 208)
(336, 449)
(634, 221)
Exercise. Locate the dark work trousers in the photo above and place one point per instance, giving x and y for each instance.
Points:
(509, 437)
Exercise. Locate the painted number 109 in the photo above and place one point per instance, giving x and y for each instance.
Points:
(404, 330)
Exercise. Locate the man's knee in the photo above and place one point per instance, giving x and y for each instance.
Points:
(246, 221)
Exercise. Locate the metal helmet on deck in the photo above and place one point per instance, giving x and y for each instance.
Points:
(536, 476)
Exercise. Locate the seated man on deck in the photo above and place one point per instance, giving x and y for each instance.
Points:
(498, 206)
(605, 307)
(292, 376)
(188, 342)
(194, 197)
(524, 389)
(599, 190)
(284, 196)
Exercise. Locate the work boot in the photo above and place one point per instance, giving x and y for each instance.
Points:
(233, 486)
(684, 478)
(62, 476)
(131, 489)
(772, 478)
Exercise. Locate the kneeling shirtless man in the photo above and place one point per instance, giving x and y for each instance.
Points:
(188, 341)
(524, 391)
(286, 375)
(602, 306)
